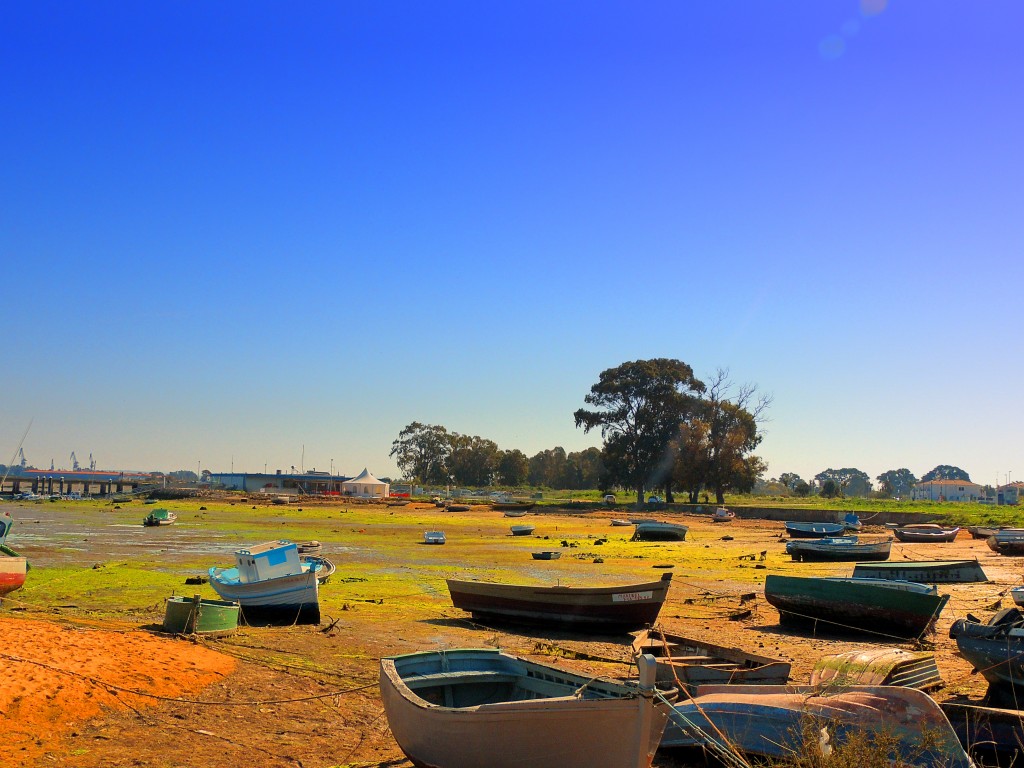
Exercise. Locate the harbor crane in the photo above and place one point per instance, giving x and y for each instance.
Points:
(21, 458)
(92, 461)
(74, 462)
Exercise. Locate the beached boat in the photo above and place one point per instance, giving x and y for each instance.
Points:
(521, 530)
(878, 666)
(514, 506)
(458, 507)
(991, 735)
(309, 547)
(270, 583)
(723, 515)
(195, 616)
(814, 530)
(160, 517)
(877, 606)
(924, 571)
(324, 568)
(839, 549)
(983, 531)
(655, 531)
(596, 609)
(547, 555)
(476, 708)
(690, 663)
(13, 572)
(851, 521)
(515, 513)
(621, 523)
(996, 649)
(770, 722)
(1007, 542)
(434, 537)
(926, 532)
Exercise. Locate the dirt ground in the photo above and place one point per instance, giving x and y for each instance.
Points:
(89, 685)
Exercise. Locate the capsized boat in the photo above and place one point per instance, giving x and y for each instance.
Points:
(996, 649)
(657, 531)
(271, 584)
(875, 606)
(879, 666)
(814, 530)
(767, 721)
(160, 516)
(838, 549)
(925, 532)
(924, 571)
(689, 663)
(475, 708)
(586, 609)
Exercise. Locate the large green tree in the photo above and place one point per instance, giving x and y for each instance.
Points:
(946, 472)
(512, 467)
(638, 407)
(473, 460)
(848, 480)
(896, 482)
(421, 452)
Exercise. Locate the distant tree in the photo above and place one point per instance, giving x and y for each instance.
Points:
(185, 475)
(946, 472)
(513, 467)
(830, 489)
(472, 460)
(548, 467)
(802, 489)
(852, 482)
(638, 408)
(421, 452)
(896, 482)
(790, 479)
(587, 468)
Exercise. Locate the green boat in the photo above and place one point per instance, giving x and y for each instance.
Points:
(160, 517)
(877, 606)
(195, 616)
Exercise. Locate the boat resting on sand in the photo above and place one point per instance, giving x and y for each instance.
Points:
(476, 708)
(513, 506)
(991, 735)
(521, 530)
(839, 549)
(324, 568)
(585, 609)
(925, 532)
(434, 537)
(656, 531)
(621, 523)
(875, 606)
(689, 663)
(546, 555)
(13, 572)
(195, 616)
(271, 584)
(1007, 542)
(723, 515)
(924, 571)
(160, 517)
(768, 721)
(996, 649)
(814, 530)
(879, 666)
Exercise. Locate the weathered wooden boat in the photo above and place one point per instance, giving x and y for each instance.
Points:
(838, 549)
(196, 616)
(621, 523)
(1007, 542)
(877, 606)
(689, 663)
(770, 721)
(522, 530)
(878, 666)
(924, 571)
(991, 735)
(515, 513)
(723, 515)
(514, 506)
(814, 530)
(925, 532)
(547, 555)
(434, 537)
(458, 507)
(996, 649)
(324, 568)
(160, 517)
(984, 531)
(474, 708)
(270, 584)
(656, 531)
(595, 609)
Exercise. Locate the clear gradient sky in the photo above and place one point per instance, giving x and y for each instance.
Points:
(232, 232)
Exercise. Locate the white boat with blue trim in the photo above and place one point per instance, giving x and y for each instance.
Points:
(271, 584)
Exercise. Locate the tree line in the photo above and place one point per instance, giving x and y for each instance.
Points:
(849, 481)
(662, 429)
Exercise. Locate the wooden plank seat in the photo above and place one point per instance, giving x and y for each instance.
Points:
(466, 677)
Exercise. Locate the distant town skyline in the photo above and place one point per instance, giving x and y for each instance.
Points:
(234, 233)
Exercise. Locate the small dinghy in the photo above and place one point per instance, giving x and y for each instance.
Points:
(522, 530)
(434, 537)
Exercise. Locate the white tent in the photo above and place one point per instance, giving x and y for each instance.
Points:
(366, 486)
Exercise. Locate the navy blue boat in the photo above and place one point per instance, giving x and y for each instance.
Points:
(814, 530)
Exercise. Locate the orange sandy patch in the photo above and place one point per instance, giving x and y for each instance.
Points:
(53, 678)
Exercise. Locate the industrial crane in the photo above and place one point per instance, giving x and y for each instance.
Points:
(92, 462)
(74, 462)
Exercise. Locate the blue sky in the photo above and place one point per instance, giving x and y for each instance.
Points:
(240, 232)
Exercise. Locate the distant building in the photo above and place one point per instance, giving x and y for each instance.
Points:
(305, 483)
(365, 486)
(947, 490)
(1011, 493)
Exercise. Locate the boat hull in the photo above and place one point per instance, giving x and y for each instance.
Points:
(814, 530)
(659, 532)
(286, 599)
(992, 735)
(997, 652)
(822, 551)
(544, 726)
(187, 616)
(909, 536)
(13, 571)
(849, 606)
(925, 571)
(594, 609)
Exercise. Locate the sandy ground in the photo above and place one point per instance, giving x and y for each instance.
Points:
(86, 688)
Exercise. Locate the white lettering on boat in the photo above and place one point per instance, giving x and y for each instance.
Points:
(630, 597)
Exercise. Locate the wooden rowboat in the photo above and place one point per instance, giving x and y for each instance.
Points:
(522, 530)
(656, 531)
(814, 530)
(926, 532)
(594, 609)
(840, 549)
(877, 606)
(476, 708)
(547, 555)
(924, 571)
(996, 650)
(1007, 542)
(691, 663)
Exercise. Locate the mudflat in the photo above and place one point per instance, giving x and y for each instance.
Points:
(90, 681)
